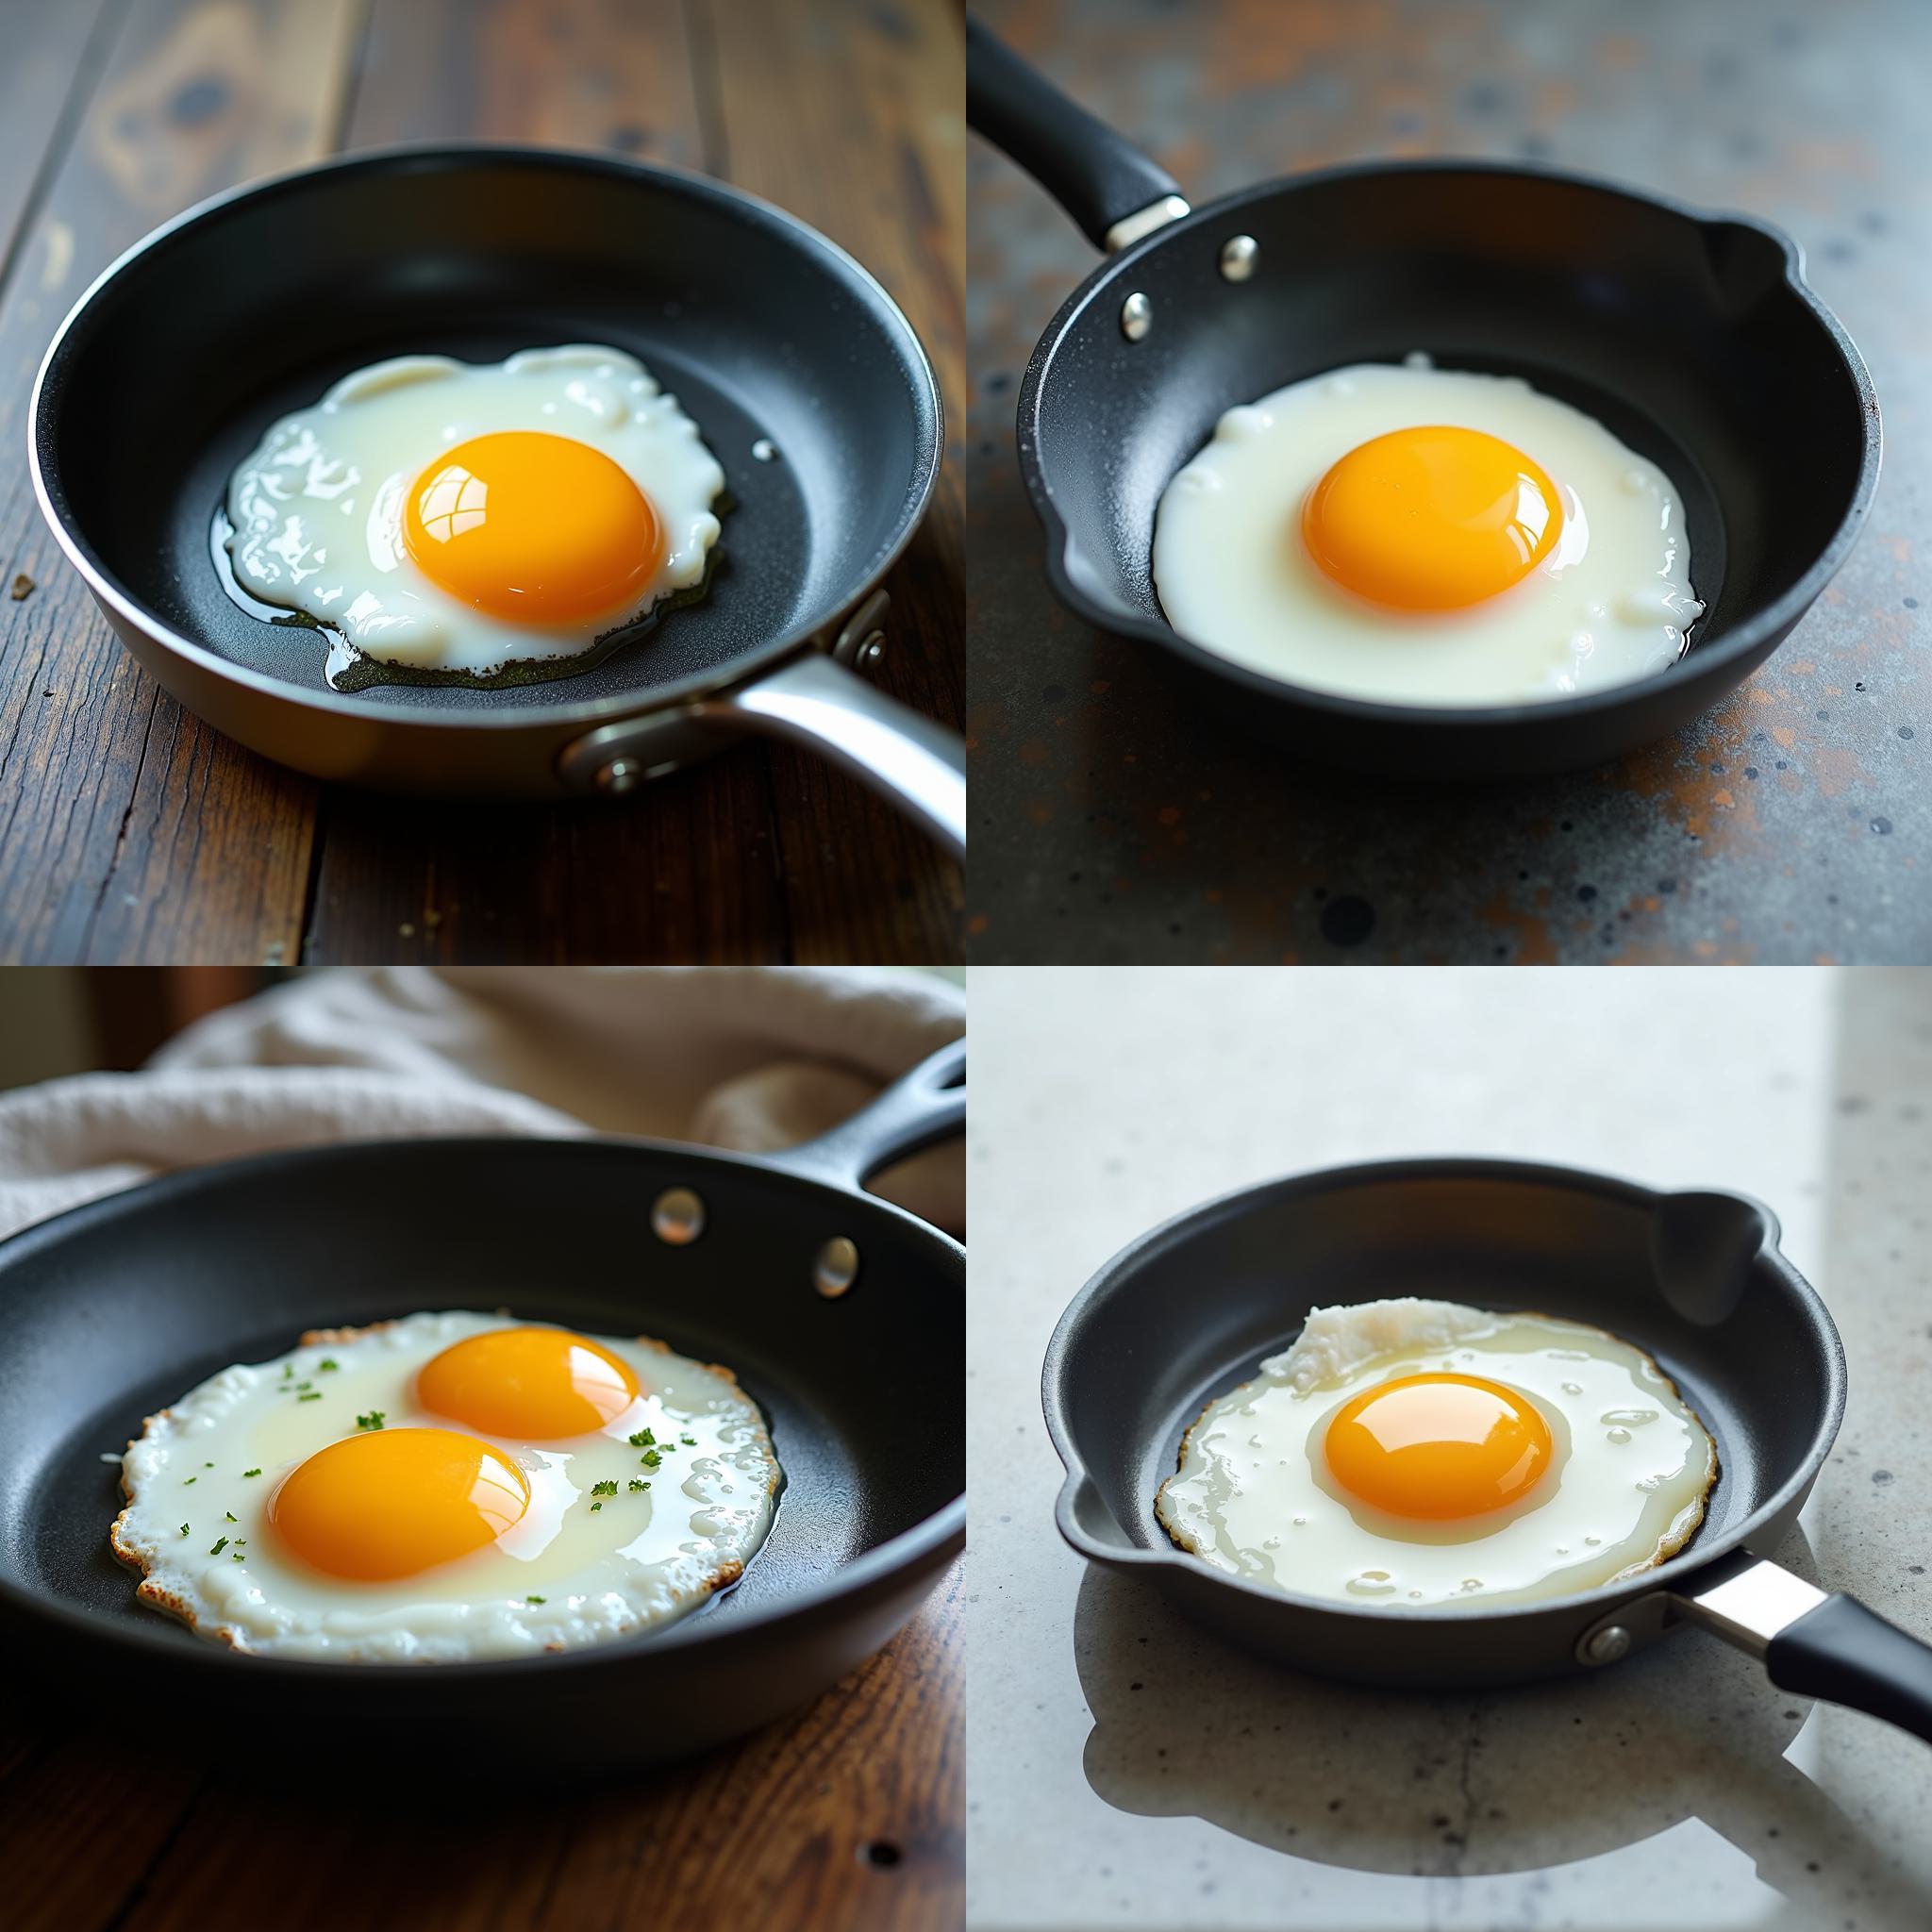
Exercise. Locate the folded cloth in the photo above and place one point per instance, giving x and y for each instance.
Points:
(751, 1058)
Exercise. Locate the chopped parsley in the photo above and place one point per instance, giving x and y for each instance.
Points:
(534, 1599)
(288, 1371)
(650, 1459)
(304, 1385)
(643, 1486)
(637, 1483)
(221, 1544)
(688, 1441)
(595, 1506)
(327, 1366)
(314, 1396)
(373, 1420)
(251, 1472)
(191, 1479)
(208, 1465)
(184, 1529)
(234, 1555)
(229, 1514)
(643, 1439)
(603, 1488)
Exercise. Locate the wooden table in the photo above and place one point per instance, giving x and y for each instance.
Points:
(130, 831)
(849, 1815)
(1116, 819)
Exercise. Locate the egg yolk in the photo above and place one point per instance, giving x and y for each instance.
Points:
(397, 1501)
(537, 1384)
(1431, 519)
(1438, 1446)
(540, 528)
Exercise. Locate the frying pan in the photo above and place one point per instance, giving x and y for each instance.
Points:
(1692, 337)
(110, 1312)
(182, 354)
(1695, 1279)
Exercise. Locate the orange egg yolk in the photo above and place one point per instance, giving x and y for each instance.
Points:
(1431, 519)
(537, 1384)
(1438, 1446)
(535, 527)
(397, 1501)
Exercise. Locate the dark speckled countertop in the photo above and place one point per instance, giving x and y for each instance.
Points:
(1114, 820)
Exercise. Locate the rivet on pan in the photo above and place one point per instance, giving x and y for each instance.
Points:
(1604, 1646)
(871, 650)
(1238, 258)
(836, 1268)
(1136, 316)
(619, 776)
(678, 1216)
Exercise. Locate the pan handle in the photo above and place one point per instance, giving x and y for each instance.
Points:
(1113, 190)
(1816, 1645)
(918, 764)
(918, 1110)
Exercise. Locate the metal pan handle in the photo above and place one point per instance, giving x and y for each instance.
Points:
(1818, 1645)
(917, 1111)
(812, 701)
(1113, 190)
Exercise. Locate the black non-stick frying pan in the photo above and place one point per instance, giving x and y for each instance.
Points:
(805, 380)
(842, 1316)
(1691, 335)
(1696, 1279)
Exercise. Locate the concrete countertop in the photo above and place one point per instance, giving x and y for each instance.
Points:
(1118, 819)
(1126, 1769)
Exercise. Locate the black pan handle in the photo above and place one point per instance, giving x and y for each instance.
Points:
(1113, 190)
(1816, 1645)
(917, 1111)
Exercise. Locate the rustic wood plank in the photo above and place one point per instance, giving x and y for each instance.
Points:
(130, 831)
(868, 146)
(687, 869)
(850, 1813)
(49, 57)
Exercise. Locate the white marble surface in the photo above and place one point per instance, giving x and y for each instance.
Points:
(1125, 1769)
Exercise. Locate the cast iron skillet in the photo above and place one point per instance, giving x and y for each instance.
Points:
(1189, 1311)
(109, 1311)
(1692, 337)
(173, 364)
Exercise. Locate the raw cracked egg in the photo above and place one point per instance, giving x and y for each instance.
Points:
(446, 1486)
(1427, 537)
(458, 519)
(1420, 1454)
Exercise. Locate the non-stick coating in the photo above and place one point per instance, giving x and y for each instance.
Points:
(1187, 1313)
(109, 1313)
(1688, 338)
(761, 329)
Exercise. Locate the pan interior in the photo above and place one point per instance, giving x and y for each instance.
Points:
(1201, 1306)
(1682, 336)
(101, 1326)
(763, 333)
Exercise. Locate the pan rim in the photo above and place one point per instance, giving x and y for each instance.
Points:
(1738, 644)
(526, 717)
(1589, 1604)
(926, 1543)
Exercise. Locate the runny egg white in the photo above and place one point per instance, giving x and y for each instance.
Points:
(446, 1486)
(460, 518)
(1421, 535)
(1422, 1455)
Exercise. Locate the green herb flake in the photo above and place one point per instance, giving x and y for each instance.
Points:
(373, 1420)
(208, 1465)
(316, 1396)
(637, 1483)
(603, 1488)
(643, 1439)
(688, 1441)
(251, 1472)
(234, 1555)
(288, 1371)
(650, 1459)
(536, 1599)
(191, 1479)
(594, 1507)
(327, 1365)
(184, 1529)
(221, 1544)
(643, 1486)
(230, 1515)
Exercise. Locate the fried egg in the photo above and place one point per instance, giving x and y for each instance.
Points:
(446, 1486)
(458, 518)
(1422, 1455)
(1426, 537)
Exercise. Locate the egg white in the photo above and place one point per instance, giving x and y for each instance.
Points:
(316, 508)
(643, 1559)
(1612, 603)
(1253, 1496)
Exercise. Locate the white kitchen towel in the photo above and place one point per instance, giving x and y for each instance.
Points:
(750, 1058)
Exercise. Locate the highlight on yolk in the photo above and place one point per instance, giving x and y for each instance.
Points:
(1431, 519)
(1438, 1446)
(397, 1501)
(533, 527)
(539, 1384)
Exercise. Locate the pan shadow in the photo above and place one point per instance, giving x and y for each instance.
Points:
(1460, 1788)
